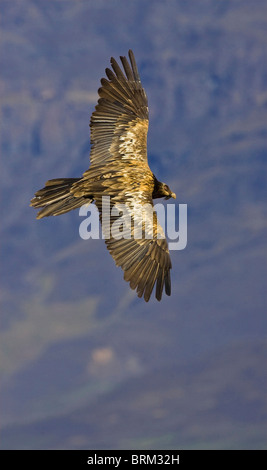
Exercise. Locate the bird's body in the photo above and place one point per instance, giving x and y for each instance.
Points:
(119, 169)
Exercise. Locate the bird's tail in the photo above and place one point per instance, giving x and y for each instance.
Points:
(56, 198)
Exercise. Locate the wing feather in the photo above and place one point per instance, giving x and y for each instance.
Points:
(127, 68)
(122, 104)
(134, 66)
(145, 261)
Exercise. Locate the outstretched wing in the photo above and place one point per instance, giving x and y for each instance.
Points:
(137, 243)
(118, 125)
(119, 169)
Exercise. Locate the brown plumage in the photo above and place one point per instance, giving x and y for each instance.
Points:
(119, 169)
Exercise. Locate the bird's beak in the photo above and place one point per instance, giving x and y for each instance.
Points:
(170, 195)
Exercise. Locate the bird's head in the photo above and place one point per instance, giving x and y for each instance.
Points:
(167, 192)
(162, 190)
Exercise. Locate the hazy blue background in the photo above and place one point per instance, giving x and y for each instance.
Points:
(85, 363)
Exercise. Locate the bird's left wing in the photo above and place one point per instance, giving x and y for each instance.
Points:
(118, 125)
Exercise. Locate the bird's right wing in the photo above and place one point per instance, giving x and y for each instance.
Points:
(137, 243)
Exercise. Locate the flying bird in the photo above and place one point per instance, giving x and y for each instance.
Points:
(119, 169)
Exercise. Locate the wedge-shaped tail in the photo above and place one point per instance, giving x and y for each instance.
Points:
(56, 198)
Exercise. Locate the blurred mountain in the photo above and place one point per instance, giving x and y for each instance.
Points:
(81, 355)
(139, 413)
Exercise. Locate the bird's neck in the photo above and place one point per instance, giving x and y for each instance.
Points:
(157, 192)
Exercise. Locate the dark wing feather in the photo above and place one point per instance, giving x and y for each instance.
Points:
(121, 107)
(119, 169)
(145, 261)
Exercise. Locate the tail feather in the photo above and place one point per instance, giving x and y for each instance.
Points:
(56, 198)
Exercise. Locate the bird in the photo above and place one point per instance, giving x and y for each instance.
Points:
(119, 169)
